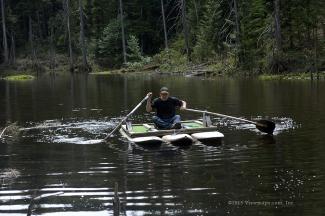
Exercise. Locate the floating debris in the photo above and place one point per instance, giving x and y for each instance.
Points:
(12, 130)
(2, 132)
(7, 176)
(32, 202)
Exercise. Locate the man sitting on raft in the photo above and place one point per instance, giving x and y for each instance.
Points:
(165, 107)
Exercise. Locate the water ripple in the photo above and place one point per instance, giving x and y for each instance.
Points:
(69, 131)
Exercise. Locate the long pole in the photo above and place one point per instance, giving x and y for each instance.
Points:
(221, 115)
(262, 125)
(126, 117)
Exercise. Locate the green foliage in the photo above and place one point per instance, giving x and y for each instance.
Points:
(135, 60)
(134, 52)
(139, 65)
(207, 43)
(171, 60)
(110, 44)
(224, 66)
(253, 28)
(212, 29)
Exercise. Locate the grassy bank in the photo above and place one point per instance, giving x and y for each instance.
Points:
(167, 62)
(292, 76)
(21, 77)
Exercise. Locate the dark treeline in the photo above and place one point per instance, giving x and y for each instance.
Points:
(252, 35)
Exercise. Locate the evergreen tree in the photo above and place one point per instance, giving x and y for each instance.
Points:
(109, 45)
(264, 35)
(134, 52)
(208, 43)
(253, 26)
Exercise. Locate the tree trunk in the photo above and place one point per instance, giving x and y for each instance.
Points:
(277, 25)
(196, 12)
(39, 26)
(31, 40)
(238, 45)
(164, 23)
(82, 38)
(141, 36)
(52, 52)
(123, 33)
(4, 31)
(315, 51)
(69, 35)
(35, 63)
(185, 29)
(12, 50)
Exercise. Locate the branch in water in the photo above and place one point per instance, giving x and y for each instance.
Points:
(3, 131)
(31, 204)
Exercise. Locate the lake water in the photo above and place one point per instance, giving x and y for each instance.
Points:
(61, 120)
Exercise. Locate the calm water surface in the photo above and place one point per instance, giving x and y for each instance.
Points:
(63, 118)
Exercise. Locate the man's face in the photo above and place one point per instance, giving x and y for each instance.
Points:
(164, 95)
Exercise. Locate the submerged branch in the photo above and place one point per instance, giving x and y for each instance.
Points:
(32, 202)
(3, 131)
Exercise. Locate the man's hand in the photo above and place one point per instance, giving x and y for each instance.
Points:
(183, 107)
(148, 106)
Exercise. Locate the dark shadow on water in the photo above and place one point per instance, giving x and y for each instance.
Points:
(184, 147)
(149, 147)
(212, 142)
(266, 140)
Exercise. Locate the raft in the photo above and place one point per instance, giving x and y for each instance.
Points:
(192, 131)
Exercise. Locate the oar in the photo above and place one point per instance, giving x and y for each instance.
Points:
(265, 126)
(127, 116)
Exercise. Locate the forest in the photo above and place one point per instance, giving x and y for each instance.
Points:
(227, 36)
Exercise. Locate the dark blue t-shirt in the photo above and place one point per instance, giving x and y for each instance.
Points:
(166, 109)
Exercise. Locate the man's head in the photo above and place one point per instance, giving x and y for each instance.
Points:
(164, 93)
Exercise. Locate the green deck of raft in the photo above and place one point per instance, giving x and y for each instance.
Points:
(141, 130)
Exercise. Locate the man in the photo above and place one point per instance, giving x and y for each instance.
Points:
(165, 107)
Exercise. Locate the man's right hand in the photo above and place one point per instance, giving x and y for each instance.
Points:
(148, 106)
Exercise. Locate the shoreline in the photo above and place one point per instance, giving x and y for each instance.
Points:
(21, 72)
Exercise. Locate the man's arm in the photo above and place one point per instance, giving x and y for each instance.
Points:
(148, 106)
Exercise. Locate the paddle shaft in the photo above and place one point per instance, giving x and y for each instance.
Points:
(225, 116)
(126, 117)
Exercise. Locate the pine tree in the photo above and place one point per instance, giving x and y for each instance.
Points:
(252, 28)
(134, 52)
(208, 42)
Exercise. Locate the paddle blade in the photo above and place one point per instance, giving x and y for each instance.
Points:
(265, 126)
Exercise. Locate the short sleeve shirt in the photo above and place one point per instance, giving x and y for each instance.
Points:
(166, 109)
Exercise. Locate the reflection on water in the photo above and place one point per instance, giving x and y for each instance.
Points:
(248, 174)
